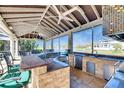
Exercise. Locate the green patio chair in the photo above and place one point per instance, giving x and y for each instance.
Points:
(15, 80)
(10, 64)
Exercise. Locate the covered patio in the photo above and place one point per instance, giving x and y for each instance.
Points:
(61, 46)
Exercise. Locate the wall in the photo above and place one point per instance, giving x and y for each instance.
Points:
(99, 63)
(55, 79)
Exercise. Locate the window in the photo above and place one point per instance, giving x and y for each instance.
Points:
(56, 44)
(106, 45)
(4, 45)
(29, 45)
(49, 44)
(63, 43)
(82, 41)
(39, 44)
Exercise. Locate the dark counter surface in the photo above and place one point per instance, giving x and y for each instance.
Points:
(106, 57)
(56, 64)
(32, 61)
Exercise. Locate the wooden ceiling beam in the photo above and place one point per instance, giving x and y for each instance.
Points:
(65, 20)
(49, 13)
(21, 15)
(21, 30)
(70, 11)
(72, 16)
(52, 30)
(20, 9)
(95, 11)
(84, 26)
(21, 19)
(62, 30)
(5, 27)
(51, 26)
(42, 16)
(32, 25)
(83, 14)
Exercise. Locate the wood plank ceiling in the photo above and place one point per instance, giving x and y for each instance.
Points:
(31, 21)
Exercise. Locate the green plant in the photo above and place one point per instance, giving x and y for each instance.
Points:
(1, 45)
(28, 45)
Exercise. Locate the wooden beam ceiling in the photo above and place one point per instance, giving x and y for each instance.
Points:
(95, 11)
(43, 19)
(20, 9)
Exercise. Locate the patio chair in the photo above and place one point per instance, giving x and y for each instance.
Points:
(14, 79)
(10, 64)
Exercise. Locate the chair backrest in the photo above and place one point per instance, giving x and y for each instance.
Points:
(8, 58)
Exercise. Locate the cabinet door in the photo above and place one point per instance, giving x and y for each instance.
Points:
(90, 67)
(78, 62)
(106, 72)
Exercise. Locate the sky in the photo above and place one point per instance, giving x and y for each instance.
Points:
(85, 37)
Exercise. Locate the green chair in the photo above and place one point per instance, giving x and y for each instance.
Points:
(10, 64)
(15, 80)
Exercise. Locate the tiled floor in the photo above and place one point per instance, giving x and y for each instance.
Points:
(81, 79)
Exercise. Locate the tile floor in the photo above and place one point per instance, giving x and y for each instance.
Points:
(81, 79)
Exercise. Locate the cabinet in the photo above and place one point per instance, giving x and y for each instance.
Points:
(78, 62)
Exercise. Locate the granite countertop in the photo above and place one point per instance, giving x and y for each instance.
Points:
(56, 64)
(32, 61)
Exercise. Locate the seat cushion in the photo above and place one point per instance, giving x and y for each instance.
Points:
(25, 76)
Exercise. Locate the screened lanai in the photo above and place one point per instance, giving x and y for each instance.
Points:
(62, 46)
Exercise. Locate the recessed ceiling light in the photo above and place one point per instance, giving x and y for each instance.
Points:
(10, 27)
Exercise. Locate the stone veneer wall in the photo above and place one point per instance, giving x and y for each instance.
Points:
(55, 79)
(99, 62)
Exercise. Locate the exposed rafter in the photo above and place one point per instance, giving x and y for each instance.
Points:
(49, 13)
(70, 11)
(42, 16)
(21, 15)
(21, 19)
(5, 27)
(71, 15)
(27, 19)
(43, 29)
(90, 24)
(83, 14)
(56, 25)
(95, 11)
(51, 25)
(69, 23)
(20, 9)
(46, 25)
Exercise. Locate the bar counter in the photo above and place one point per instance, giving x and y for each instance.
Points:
(49, 73)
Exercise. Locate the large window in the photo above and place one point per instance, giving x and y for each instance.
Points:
(82, 41)
(39, 44)
(63, 43)
(29, 45)
(4, 45)
(106, 45)
(56, 44)
(49, 44)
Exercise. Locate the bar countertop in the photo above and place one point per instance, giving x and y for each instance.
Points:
(32, 61)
